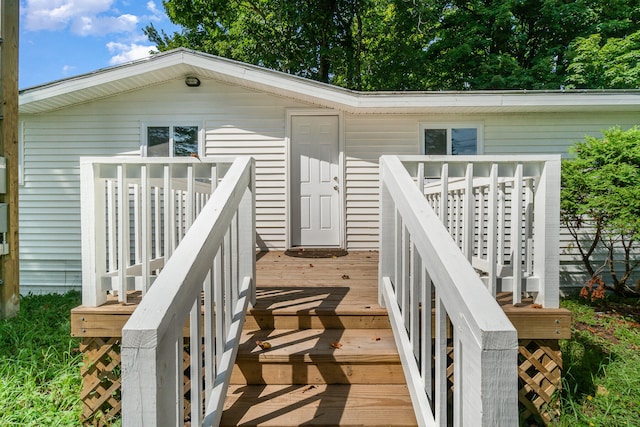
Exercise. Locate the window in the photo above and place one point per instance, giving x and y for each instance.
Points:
(172, 141)
(461, 139)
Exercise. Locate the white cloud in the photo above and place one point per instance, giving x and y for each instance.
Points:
(82, 17)
(126, 52)
(68, 69)
(87, 25)
(157, 13)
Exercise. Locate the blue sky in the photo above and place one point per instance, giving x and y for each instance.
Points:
(64, 38)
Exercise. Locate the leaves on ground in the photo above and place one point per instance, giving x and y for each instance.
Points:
(336, 345)
(265, 345)
(309, 388)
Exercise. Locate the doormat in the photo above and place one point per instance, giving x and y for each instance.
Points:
(315, 253)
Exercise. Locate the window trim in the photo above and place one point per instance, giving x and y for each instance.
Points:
(170, 124)
(479, 126)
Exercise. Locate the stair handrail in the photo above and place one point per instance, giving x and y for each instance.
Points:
(421, 269)
(211, 271)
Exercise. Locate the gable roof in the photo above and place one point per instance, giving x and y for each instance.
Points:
(179, 63)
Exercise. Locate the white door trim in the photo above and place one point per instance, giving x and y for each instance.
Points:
(341, 172)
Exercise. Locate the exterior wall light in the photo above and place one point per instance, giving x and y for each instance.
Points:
(192, 81)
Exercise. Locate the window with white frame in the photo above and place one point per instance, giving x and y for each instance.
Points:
(451, 139)
(172, 141)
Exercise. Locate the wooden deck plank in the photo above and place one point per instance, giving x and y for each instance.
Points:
(320, 345)
(318, 405)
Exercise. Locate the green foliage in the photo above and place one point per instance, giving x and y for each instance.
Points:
(412, 45)
(40, 364)
(606, 63)
(601, 193)
(601, 376)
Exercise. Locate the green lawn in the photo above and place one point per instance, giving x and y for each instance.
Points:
(40, 365)
(602, 364)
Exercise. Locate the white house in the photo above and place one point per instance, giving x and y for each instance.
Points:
(316, 146)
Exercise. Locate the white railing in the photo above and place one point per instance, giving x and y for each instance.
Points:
(212, 271)
(134, 212)
(423, 271)
(504, 214)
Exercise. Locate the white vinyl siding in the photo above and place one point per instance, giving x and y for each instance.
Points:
(49, 197)
(254, 124)
(366, 139)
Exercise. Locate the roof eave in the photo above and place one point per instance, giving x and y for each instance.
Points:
(178, 63)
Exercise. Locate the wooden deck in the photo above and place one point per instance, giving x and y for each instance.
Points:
(331, 359)
(293, 288)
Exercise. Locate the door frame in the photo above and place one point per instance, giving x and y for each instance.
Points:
(341, 172)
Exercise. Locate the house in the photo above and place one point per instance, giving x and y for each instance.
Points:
(316, 146)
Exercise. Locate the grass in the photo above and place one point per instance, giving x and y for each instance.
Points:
(40, 364)
(601, 378)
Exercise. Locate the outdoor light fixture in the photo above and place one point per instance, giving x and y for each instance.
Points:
(192, 81)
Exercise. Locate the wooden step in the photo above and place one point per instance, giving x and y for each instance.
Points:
(318, 405)
(361, 318)
(328, 356)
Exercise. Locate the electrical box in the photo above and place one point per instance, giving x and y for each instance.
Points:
(3, 175)
(4, 218)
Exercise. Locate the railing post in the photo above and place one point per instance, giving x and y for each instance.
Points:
(93, 240)
(123, 231)
(387, 258)
(516, 234)
(146, 228)
(468, 215)
(492, 230)
(546, 250)
(247, 236)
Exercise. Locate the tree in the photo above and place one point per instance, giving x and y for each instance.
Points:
(605, 63)
(318, 39)
(404, 44)
(600, 204)
(513, 44)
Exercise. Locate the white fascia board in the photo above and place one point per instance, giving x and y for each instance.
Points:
(274, 81)
(98, 78)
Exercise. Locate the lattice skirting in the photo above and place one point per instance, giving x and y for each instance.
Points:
(540, 375)
(539, 370)
(101, 387)
(100, 380)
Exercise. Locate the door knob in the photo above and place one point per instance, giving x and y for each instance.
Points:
(335, 187)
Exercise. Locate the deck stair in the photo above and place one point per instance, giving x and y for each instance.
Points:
(330, 358)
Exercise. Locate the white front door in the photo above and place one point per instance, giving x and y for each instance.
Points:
(315, 186)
